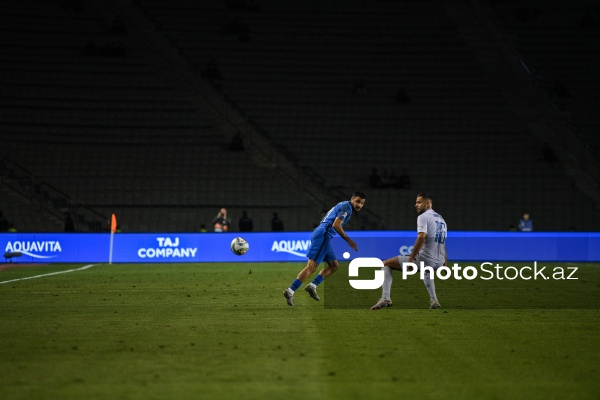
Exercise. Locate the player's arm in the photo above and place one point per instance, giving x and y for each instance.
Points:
(337, 225)
(445, 255)
(418, 245)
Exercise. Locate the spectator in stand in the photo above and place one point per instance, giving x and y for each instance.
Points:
(220, 222)
(69, 223)
(526, 224)
(246, 224)
(237, 143)
(276, 223)
(375, 180)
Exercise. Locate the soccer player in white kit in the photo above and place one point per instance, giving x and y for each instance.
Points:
(430, 247)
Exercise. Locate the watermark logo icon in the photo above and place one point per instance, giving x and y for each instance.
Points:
(366, 262)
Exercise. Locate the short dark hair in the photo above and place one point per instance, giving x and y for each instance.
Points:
(425, 196)
(358, 194)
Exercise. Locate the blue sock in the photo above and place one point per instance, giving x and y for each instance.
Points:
(295, 285)
(318, 280)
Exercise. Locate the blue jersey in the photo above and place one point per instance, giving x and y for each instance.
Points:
(342, 211)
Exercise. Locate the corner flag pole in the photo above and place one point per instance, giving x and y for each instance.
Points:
(113, 229)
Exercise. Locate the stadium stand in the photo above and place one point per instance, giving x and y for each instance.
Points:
(559, 43)
(114, 132)
(114, 105)
(294, 68)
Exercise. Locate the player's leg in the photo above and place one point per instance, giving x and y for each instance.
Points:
(395, 262)
(332, 266)
(311, 267)
(388, 266)
(315, 255)
(311, 288)
(430, 286)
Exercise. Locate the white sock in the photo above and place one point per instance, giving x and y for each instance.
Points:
(387, 283)
(430, 285)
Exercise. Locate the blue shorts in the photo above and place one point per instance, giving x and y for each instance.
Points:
(320, 247)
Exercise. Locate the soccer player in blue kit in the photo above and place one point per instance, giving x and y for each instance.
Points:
(320, 246)
(429, 247)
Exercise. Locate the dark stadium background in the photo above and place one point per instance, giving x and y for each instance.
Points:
(130, 107)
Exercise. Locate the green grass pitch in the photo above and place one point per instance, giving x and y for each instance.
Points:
(224, 331)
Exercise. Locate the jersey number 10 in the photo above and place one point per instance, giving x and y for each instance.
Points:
(440, 232)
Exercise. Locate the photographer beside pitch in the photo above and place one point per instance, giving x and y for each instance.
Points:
(320, 246)
(430, 248)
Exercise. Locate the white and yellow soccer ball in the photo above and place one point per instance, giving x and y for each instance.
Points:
(239, 246)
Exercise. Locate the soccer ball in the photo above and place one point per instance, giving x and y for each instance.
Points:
(239, 246)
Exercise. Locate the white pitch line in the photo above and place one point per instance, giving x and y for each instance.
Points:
(52, 273)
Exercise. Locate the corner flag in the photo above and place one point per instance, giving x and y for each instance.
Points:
(113, 229)
(113, 223)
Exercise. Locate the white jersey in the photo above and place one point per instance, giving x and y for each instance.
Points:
(433, 252)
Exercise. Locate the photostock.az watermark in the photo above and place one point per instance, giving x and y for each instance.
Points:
(486, 271)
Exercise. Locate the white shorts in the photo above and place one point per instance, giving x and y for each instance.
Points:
(403, 259)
